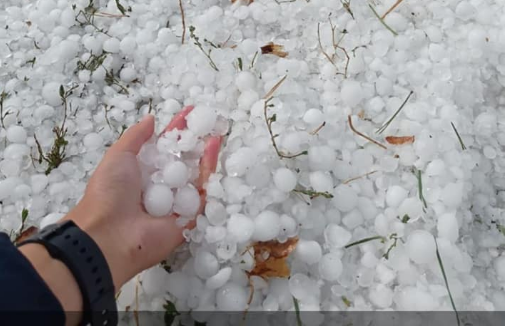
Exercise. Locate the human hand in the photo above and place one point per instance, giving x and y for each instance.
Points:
(112, 213)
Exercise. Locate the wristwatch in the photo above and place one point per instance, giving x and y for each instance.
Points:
(77, 250)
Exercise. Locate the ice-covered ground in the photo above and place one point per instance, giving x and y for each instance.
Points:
(115, 68)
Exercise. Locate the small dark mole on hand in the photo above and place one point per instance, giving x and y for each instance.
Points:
(140, 247)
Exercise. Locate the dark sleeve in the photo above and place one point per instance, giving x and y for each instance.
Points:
(25, 299)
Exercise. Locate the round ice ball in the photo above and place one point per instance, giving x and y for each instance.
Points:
(344, 198)
(16, 134)
(205, 264)
(266, 226)
(499, 267)
(351, 93)
(336, 236)
(92, 141)
(240, 227)
(51, 93)
(308, 251)
(395, 195)
(245, 81)
(176, 174)
(219, 279)
(313, 117)
(285, 179)
(158, 200)
(231, 297)
(201, 120)
(177, 284)
(187, 201)
(421, 246)
(330, 267)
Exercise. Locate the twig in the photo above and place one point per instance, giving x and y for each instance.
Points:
(463, 147)
(391, 9)
(253, 61)
(3, 96)
(269, 121)
(359, 177)
(136, 310)
(439, 258)
(382, 20)
(314, 194)
(363, 135)
(315, 131)
(183, 22)
(274, 88)
(200, 46)
(395, 238)
(336, 46)
(377, 237)
(387, 123)
(347, 7)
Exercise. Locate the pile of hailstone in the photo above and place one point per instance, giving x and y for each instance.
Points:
(445, 191)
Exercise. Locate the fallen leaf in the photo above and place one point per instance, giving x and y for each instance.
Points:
(275, 49)
(270, 258)
(404, 140)
(361, 114)
(26, 234)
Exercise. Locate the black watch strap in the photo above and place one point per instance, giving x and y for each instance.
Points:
(79, 252)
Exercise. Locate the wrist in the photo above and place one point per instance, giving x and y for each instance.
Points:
(58, 278)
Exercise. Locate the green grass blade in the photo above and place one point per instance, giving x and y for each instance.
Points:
(382, 21)
(439, 258)
(377, 237)
(387, 123)
(297, 311)
(463, 147)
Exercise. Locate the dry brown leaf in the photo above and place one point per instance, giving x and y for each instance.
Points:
(361, 114)
(270, 258)
(26, 234)
(403, 140)
(275, 49)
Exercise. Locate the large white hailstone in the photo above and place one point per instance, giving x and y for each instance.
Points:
(16, 134)
(381, 296)
(39, 182)
(51, 218)
(219, 279)
(351, 93)
(321, 158)
(205, 264)
(499, 267)
(336, 236)
(201, 120)
(308, 251)
(158, 200)
(7, 185)
(240, 227)
(300, 286)
(177, 285)
(421, 247)
(231, 297)
(92, 141)
(285, 179)
(395, 195)
(240, 161)
(111, 45)
(266, 226)
(321, 181)
(176, 174)
(245, 81)
(344, 198)
(152, 279)
(215, 212)
(330, 267)
(313, 117)
(415, 299)
(187, 201)
(51, 93)
(452, 195)
(447, 227)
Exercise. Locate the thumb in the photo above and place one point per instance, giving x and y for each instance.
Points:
(133, 139)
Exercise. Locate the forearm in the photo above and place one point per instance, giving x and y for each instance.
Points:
(58, 278)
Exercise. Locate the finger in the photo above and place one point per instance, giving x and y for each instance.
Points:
(208, 162)
(133, 138)
(179, 121)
